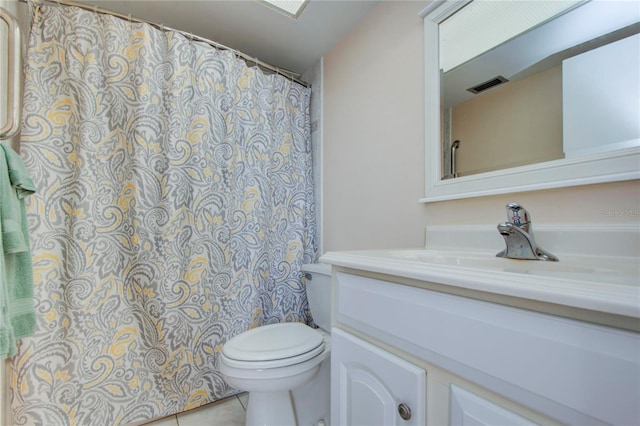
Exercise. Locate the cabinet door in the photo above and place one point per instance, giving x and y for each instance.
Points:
(469, 409)
(370, 386)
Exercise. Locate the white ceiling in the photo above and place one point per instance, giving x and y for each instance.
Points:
(253, 28)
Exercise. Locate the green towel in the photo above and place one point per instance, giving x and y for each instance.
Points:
(17, 318)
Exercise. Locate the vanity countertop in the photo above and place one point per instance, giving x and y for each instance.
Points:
(609, 285)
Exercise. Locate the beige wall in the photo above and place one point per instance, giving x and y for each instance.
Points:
(529, 133)
(372, 133)
(374, 156)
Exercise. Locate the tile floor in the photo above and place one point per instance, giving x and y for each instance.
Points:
(225, 412)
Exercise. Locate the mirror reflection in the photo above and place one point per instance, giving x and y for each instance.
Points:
(565, 88)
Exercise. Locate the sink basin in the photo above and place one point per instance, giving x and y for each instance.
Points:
(605, 279)
(481, 260)
(617, 270)
(597, 283)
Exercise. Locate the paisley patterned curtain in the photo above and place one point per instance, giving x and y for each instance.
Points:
(174, 208)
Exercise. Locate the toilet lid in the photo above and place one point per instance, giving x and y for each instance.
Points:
(273, 342)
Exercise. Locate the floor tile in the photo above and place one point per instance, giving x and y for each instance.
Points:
(226, 412)
(244, 399)
(165, 421)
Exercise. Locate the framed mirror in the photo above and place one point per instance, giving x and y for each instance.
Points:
(588, 155)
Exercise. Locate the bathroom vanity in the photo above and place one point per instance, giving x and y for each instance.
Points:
(437, 337)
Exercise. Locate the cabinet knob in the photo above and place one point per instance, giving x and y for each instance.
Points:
(405, 411)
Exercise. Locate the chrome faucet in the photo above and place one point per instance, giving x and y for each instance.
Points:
(518, 235)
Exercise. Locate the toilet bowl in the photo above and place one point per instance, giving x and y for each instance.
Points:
(282, 366)
(270, 361)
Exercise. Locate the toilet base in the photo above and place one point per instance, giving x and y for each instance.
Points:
(270, 409)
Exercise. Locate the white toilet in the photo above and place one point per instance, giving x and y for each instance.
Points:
(285, 367)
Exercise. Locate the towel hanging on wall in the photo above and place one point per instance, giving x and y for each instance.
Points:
(17, 319)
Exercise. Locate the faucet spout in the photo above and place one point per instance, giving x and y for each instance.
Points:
(520, 245)
(518, 236)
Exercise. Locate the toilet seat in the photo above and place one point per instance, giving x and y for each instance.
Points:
(273, 346)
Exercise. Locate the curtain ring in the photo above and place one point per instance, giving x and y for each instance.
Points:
(130, 27)
(36, 10)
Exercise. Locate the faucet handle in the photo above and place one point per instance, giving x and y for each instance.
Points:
(519, 216)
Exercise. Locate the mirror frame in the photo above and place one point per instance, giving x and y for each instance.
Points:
(613, 166)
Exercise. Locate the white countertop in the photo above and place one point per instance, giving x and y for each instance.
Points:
(597, 283)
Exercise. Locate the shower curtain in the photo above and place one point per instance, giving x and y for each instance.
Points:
(173, 210)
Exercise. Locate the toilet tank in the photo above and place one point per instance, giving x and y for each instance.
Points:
(319, 293)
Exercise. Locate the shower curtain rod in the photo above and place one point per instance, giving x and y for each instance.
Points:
(248, 59)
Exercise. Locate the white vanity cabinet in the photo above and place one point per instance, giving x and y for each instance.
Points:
(485, 362)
